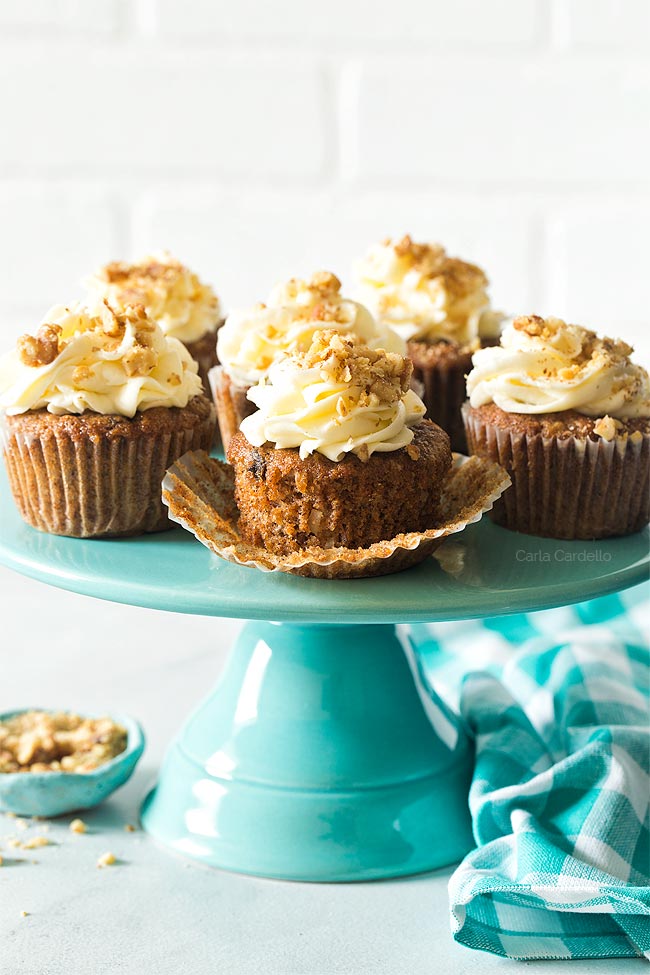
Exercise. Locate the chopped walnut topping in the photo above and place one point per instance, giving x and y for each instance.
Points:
(139, 361)
(383, 377)
(324, 282)
(39, 741)
(555, 331)
(81, 374)
(432, 261)
(40, 349)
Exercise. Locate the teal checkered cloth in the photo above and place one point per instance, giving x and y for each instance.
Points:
(560, 796)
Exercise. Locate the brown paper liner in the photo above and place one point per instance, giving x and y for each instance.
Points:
(69, 477)
(232, 404)
(444, 391)
(199, 492)
(573, 488)
(204, 353)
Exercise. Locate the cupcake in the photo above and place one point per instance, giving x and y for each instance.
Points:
(568, 415)
(338, 452)
(440, 306)
(95, 407)
(253, 338)
(173, 296)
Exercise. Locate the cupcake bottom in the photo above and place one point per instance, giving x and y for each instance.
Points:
(287, 504)
(90, 475)
(567, 482)
(204, 353)
(199, 491)
(441, 367)
(232, 403)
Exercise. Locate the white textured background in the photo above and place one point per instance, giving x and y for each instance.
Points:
(256, 139)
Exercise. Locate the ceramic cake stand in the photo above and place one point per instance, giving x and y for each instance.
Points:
(319, 755)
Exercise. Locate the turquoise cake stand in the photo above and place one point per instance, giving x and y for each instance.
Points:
(321, 754)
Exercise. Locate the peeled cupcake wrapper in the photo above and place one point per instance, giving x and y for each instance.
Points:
(231, 402)
(573, 488)
(199, 492)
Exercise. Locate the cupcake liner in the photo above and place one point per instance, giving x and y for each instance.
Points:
(70, 480)
(199, 492)
(444, 394)
(573, 488)
(204, 353)
(231, 402)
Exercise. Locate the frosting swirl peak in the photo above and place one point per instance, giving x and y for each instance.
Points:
(422, 293)
(99, 360)
(253, 338)
(339, 397)
(547, 366)
(173, 296)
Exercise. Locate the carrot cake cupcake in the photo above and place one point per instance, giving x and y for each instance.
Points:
(568, 415)
(173, 296)
(95, 407)
(338, 453)
(253, 338)
(440, 307)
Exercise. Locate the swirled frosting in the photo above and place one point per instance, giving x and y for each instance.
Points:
(424, 294)
(253, 338)
(546, 366)
(173, 296)
(339, 397)
(100, 360)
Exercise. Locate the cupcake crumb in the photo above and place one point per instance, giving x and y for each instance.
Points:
(35, 842)
(24, 913)
(106, 860)
(78, 826)
(130, 828)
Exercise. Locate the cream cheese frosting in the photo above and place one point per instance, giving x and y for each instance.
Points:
(99, 360)
(339, 397)
(173, 296)
(253, 338)
(424, 294)
(546, 366)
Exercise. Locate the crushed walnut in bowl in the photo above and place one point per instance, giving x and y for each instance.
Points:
(54, 762)
(59, 741)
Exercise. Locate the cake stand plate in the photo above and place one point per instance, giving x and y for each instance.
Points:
(322, 754)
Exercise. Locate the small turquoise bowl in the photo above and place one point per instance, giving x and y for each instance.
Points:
(55, 793)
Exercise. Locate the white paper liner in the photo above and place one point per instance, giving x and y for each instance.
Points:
(199, 492)
(572, 488)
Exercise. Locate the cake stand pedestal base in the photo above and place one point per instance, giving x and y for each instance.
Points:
(317, 757)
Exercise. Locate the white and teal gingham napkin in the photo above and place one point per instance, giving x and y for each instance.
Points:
(557, 705)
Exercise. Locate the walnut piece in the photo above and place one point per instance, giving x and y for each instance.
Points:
(40, 349)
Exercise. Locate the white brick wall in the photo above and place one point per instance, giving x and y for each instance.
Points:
(260, 139)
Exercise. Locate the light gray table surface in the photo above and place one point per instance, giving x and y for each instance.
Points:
(154, 913)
